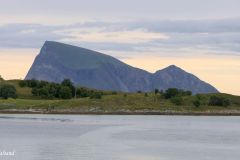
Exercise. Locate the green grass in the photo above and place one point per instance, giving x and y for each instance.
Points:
(131, 102)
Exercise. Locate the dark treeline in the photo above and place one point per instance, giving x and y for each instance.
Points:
(67, 90)
(64, 90)
(175, 95)
(7, 91)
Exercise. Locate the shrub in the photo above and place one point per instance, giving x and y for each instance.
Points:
(114, 93)
(65, 92)
(68, 83)
(177, 100)
(22, 83)
(96, 95)
(218, 101)
(32, 83)
(187, 93)
(43, 92)
(35, 92)
(8, 91)
(171, 92)
(196, 103)
(156, 91)
(42, 84)
(82, 92)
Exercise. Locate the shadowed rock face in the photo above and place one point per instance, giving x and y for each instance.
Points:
(84, 67)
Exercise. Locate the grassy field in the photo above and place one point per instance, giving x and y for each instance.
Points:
(138, 103)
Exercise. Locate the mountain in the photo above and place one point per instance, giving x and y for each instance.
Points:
(88, 68)
(175, 77)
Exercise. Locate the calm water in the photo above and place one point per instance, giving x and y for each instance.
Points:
(72, 137)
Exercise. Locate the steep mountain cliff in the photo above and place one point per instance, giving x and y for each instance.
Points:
(88, 68)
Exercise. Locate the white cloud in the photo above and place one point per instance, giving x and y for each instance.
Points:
(99, 35)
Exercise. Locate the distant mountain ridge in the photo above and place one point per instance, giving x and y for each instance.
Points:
(88, 68)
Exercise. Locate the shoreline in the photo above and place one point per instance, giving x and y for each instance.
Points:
(170, 113)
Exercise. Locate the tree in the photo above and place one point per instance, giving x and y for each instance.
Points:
(156, 91)
(196, 103)
(65, 92)
(42, 84)
(23, 83)
(32, 83)
(8, 91)
(177, 100)
(218, 101)
(35, 91)
(171, 92)
(146, 94)
(43, 92)
(187, 93)
(82, 92)
(68, 83)
(96, 95)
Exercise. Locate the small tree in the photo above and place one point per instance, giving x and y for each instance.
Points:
(8, 91)
(32, 83)
(65, 92)
(171, 92)
(177, 100)
(218, 101)
(196, 103)
(96, 95)
(82, 92)
(68, 83)
(139, 91)
(156, 91)
(146, 94)
(43, 92)
(23, 83)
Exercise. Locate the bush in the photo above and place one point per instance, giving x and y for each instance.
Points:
(65, 92)
(114, 93)
(68, 83)
(8, 91)
(187, 93)
(177, 100)
(82, 92)
(156, 91)
(42, 84)
(43, 92)
(218, 101)
(32, 83)
(22, 83)
(171, 92)
(196, 103)
(35, 92)
(96, 95)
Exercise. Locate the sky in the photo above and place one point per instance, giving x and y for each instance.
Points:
(202, 37)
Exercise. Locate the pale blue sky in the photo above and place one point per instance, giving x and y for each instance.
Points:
(154, 9)
(163, 31)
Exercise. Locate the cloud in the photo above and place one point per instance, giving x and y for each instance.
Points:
(158, 37)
